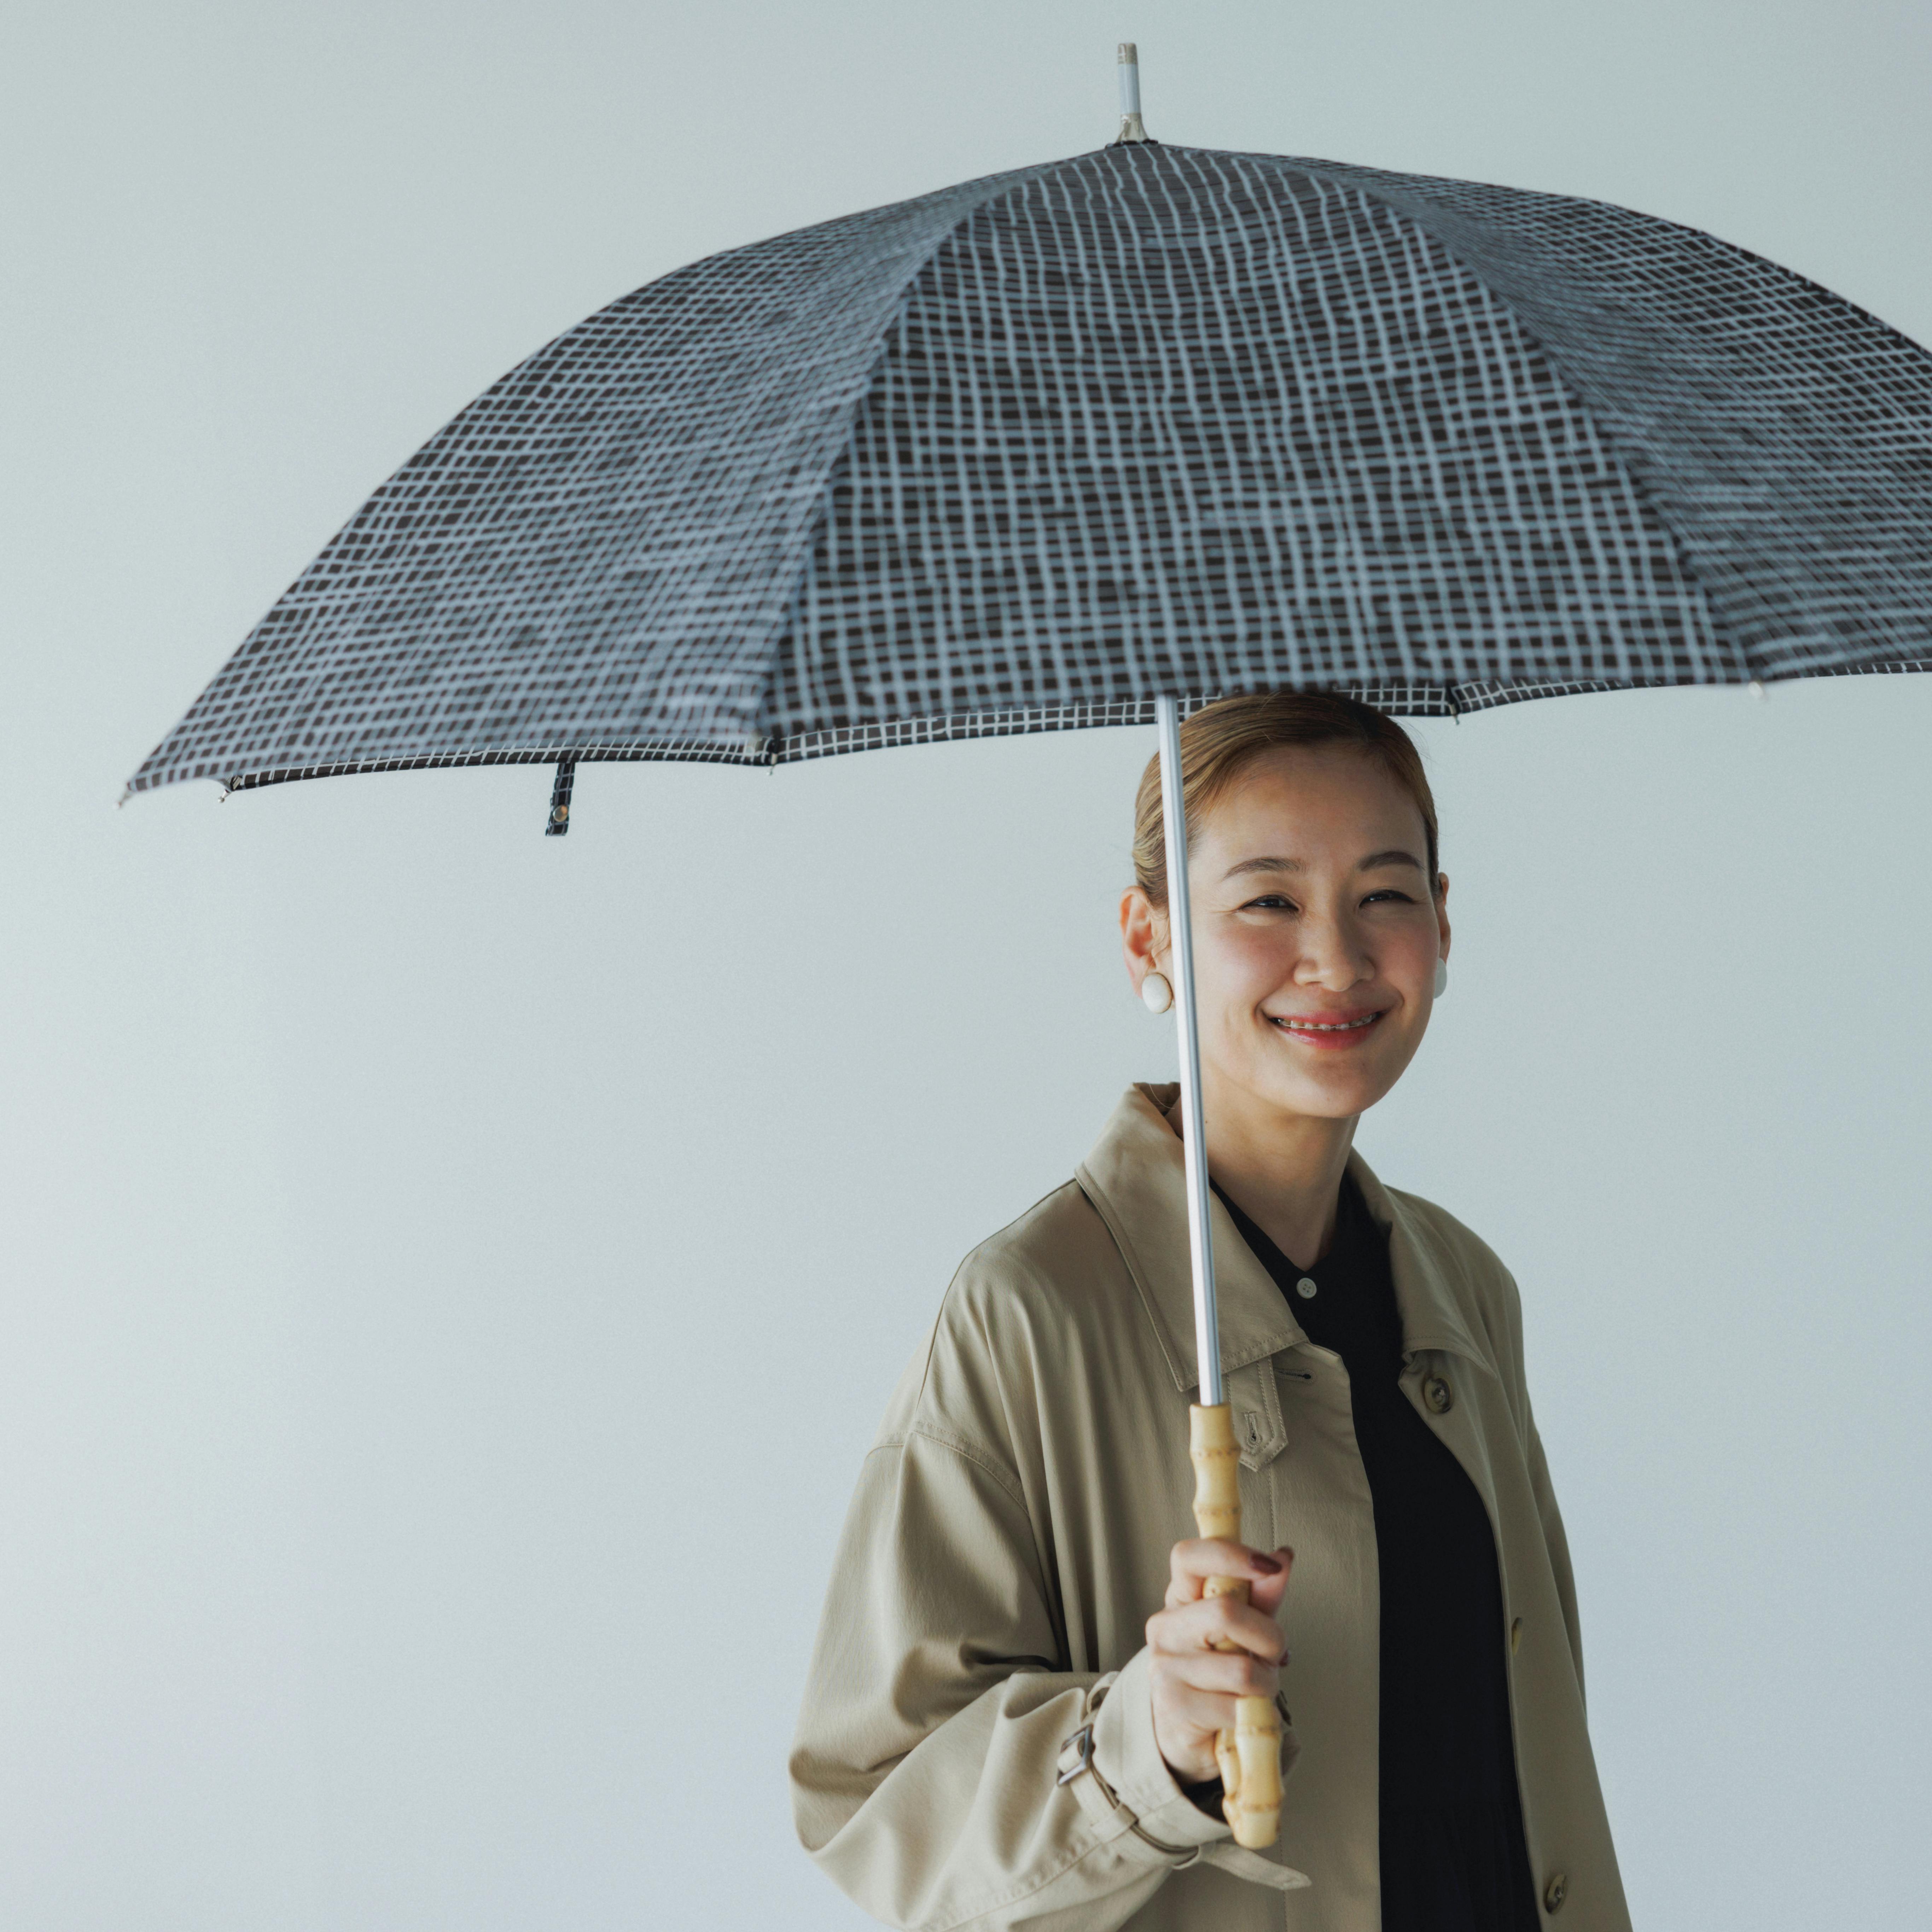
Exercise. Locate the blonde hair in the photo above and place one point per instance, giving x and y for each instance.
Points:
(1217, 741)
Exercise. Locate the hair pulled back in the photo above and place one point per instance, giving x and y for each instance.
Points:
(1217, 741)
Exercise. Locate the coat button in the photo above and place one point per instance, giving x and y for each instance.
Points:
(1305, 1289)
(1515, 1636)
(1554, 1891)
(1440, 1397)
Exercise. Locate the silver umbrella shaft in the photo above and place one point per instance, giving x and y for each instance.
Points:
(1194, 1151)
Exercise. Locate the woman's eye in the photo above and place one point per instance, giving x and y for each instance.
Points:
(1270, 902)
(1389, 893)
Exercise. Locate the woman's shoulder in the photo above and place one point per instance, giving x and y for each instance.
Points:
(1468, 1271)
(1025, 1297)
(1456, 1240)
(1049, 1256)
(1021, 1311)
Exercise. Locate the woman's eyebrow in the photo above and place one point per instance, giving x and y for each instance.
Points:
(1394, 856)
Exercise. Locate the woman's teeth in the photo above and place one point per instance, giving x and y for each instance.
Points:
(1324, 1026)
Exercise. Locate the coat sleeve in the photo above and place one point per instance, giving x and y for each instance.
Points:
(924, 1774)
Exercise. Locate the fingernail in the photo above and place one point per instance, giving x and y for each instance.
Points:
(1269, 1566)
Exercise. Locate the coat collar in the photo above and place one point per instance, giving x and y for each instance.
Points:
(1135, 1179)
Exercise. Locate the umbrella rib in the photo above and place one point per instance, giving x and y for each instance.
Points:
(1409, 208)
(784, 625)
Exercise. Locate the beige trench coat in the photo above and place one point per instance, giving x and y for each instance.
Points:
(1009, 1538)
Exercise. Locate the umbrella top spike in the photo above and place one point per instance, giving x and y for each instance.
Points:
(1131, 129)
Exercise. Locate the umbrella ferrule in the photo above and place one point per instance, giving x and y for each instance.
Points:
(1131, 127)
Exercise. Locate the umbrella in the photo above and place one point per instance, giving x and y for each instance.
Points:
(1087, 443)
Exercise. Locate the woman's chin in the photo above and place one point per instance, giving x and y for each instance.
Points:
(1335, 1099)
(1333, 1091)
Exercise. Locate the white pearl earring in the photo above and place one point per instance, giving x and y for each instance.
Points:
(1441, 977)
(1156, 992)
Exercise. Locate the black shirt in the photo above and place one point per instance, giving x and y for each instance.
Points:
(1453, 1858)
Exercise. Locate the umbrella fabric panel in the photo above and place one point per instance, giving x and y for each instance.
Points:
(1164, 419)
(1784, 434)
(610, 534)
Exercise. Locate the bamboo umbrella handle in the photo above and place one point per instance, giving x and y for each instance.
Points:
(1250, 1758)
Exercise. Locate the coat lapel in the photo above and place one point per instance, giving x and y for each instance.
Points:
(1431, 1295)
(1136, 1181)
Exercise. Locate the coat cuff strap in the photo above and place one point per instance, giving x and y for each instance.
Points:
(1102, 1802)
(1123, 1783)
(1113, 1766)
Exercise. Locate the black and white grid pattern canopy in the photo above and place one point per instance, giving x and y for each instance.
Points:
(1028, 452)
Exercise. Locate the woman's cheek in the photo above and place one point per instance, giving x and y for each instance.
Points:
(1253, 963)
(1417, 962)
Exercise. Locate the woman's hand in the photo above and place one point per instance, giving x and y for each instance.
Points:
(1195, 1686)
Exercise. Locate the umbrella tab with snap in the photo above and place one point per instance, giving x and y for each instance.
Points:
(1249, 1756)
(558, 823)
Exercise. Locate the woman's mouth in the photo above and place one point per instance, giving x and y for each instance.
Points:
(1327, 1031)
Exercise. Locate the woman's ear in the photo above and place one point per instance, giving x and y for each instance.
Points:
(1143, 935)
(1442, 913)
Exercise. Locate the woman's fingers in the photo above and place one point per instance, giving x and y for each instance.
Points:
(1194, 1693)
(1209, 1651)
(1266, 1592)
(1201, 1557)
(1223, 1674)
(1195, 1716)
(1193, 1563)
(1212, 1622)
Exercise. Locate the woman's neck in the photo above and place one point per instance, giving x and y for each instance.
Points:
(1283, 1170)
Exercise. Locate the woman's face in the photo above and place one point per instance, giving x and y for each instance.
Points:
(1316, 933)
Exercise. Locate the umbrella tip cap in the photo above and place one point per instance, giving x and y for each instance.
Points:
(1130, 66)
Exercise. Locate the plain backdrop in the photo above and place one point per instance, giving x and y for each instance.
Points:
(451, 1277)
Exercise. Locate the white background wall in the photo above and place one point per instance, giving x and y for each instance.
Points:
(448, 1277)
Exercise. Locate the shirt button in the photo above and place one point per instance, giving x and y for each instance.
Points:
(1515, 1636)
(1554, 1891)
(1437, 1394)
(1305, 1289)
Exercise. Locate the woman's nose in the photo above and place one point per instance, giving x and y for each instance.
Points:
(1331, 957)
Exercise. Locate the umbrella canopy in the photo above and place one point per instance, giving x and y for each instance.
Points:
(1029, 452)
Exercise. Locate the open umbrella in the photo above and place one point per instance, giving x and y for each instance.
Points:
(1089, 442)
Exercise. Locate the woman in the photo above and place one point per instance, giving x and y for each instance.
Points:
(997, 1733)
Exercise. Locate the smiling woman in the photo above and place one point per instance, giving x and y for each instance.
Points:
(1320, 923)
(997, 1733)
